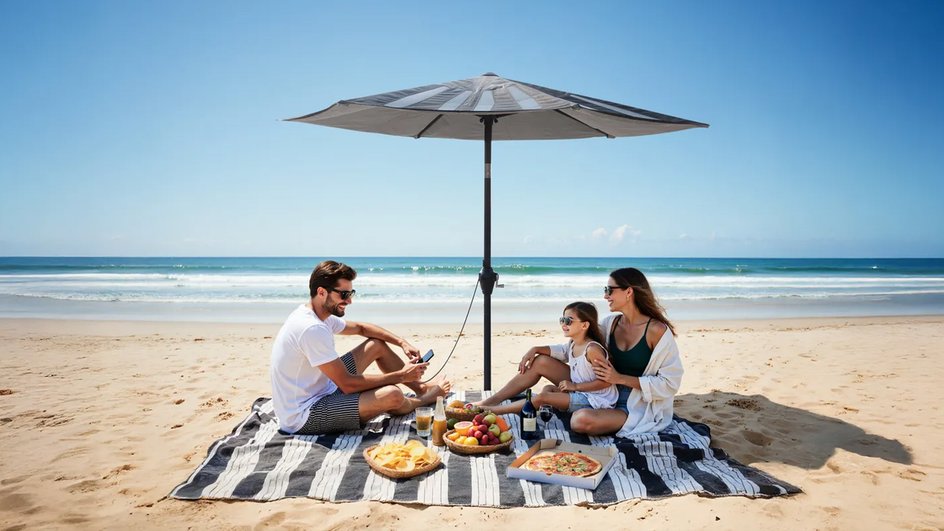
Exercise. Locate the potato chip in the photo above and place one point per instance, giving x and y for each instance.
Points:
(403, 457)
(418, 452)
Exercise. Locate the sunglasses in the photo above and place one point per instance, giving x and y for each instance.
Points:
(566, 320)
(608, 290)
(343, 293)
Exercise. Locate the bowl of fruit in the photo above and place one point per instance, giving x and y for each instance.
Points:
(462, 411)
(484, 434)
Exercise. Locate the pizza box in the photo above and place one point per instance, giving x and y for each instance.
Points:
(605, 455)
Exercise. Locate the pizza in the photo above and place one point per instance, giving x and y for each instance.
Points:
(564, 464)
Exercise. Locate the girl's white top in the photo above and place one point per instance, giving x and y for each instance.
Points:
(581, 371)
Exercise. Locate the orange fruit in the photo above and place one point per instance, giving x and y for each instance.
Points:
(462, 428)
(501, 423)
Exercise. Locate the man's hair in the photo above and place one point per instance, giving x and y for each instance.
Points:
(327, 274)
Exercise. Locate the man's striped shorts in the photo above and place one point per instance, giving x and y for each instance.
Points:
(336, 412)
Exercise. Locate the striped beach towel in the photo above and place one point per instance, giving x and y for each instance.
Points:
(256, 462)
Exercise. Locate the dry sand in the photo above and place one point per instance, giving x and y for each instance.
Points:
(99, 421)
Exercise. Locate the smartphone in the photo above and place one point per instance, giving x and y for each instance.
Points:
(426, 357)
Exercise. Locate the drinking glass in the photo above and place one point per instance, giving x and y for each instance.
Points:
(424, 419)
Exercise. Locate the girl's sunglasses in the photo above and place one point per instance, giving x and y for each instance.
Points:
(567, 320)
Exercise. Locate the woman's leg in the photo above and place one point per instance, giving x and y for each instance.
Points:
(597, 421)
(542, 366)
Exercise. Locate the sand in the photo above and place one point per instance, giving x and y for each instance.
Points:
(99, 420)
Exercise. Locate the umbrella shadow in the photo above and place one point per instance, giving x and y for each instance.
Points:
(752, 429)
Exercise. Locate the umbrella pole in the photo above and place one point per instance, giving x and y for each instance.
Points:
(487, 277)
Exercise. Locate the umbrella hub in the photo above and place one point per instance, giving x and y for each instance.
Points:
(488, 278)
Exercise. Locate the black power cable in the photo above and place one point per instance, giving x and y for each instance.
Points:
(454, 345)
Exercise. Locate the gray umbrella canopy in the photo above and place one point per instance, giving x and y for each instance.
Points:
(490, 107)
(526, 112)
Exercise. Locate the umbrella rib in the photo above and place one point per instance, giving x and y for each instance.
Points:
(430, 124)
(581, 122)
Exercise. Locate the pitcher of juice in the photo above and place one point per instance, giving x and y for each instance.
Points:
(439, 422)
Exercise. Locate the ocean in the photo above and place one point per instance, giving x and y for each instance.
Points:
(438, 289)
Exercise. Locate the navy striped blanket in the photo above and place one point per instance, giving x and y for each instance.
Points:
(256, 462)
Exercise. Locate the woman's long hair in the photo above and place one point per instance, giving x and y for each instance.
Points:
(630, 277)
(586, 311)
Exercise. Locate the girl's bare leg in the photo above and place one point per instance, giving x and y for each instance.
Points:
(541, 367)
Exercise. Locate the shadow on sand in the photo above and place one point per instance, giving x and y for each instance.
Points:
(751, 429)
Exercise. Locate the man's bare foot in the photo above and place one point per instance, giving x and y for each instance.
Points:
(434, 388)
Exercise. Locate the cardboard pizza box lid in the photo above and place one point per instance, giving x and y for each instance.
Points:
(606, 455)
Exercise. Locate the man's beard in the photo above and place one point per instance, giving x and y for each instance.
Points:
(335, 310)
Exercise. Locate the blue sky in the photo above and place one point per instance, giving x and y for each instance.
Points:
(154, 129)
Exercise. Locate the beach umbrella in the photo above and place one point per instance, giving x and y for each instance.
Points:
(489, 107)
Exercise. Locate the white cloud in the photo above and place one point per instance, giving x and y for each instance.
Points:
(598, 234)
(619, 233)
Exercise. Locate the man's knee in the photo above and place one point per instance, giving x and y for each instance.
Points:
(376, 345)
(548, 389)
(390, 397)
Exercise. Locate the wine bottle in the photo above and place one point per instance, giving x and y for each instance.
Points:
(529, 418)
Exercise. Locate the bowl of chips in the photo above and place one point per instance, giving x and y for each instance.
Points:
(401, 460)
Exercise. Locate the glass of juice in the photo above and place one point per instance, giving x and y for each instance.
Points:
(424, 420)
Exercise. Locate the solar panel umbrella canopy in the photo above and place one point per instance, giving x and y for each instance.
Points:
(489, 107)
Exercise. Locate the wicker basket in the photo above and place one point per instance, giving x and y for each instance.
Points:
(397, 474)
(475, 450)
(460, 414)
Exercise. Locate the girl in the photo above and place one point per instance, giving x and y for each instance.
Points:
(581, 389)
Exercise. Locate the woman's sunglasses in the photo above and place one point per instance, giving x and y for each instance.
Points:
(566, 320)
(608, 290)
(344, 293)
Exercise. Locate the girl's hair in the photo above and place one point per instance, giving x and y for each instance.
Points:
(630, 277)
(586, 311)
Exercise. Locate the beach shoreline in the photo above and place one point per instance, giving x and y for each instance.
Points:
(117, 413)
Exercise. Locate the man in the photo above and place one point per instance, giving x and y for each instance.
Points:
(317, 391)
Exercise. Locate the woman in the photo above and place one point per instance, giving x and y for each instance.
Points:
(644, 363)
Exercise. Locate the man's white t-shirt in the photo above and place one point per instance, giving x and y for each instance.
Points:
(304, 343)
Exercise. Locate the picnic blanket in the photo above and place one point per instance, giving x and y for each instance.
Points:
(256, 462)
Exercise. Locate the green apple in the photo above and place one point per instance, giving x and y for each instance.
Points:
(504, 436)
(494, 430)
(489, 419)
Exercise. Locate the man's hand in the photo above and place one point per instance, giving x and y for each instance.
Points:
(412, 353)
(412, 372)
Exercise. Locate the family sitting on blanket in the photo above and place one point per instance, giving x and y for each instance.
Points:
(315, 390)
(643, 363)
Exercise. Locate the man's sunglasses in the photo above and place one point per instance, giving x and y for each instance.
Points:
(567, 320)
(608, 290)
(344, 293)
